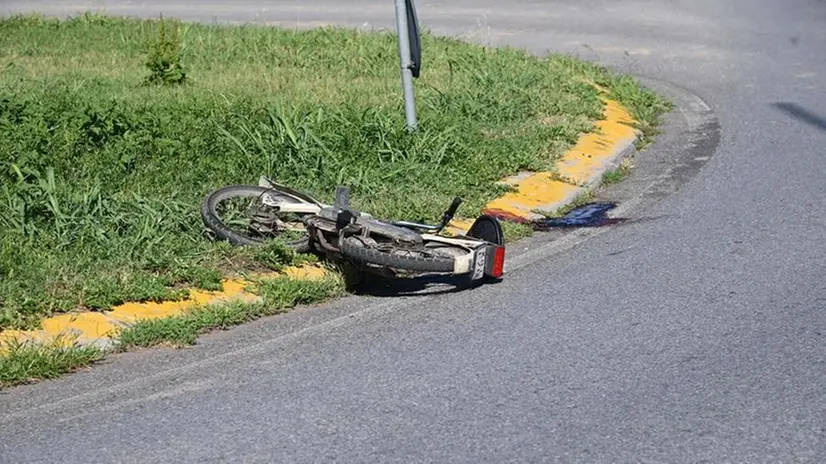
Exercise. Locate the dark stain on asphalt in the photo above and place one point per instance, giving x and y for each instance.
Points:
(590, 215)
(619, 252)
(801, 114)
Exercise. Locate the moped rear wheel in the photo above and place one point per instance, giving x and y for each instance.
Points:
(418, 258)
(236, 214)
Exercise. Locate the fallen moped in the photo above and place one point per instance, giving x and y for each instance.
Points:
(271, 210)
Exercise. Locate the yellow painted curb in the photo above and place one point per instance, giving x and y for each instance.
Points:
(458, 226)
(587, 159)
(578, 169)
(101, 327)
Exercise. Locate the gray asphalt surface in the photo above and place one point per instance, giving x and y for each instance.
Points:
(698, 334)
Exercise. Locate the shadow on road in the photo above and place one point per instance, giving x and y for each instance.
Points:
(419, 286)
(801, 114)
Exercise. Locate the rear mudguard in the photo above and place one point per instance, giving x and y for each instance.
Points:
(487, 228)
(487, 240)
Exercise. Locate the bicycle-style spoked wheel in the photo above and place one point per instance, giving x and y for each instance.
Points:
(238, 214)
(418, 258)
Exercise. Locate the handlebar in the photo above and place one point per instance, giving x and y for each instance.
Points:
(451, 211)
(416, 225)
(446, 218)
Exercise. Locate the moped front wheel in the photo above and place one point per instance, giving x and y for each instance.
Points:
(236, 213)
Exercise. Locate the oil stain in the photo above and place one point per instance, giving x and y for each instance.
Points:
(589, 215)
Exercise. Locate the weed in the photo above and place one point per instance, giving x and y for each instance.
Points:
(613, 176)
(617, 175)
(23, 363)
(164, 62)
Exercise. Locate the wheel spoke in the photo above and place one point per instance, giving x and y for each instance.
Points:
(253, 217)
(418, 251)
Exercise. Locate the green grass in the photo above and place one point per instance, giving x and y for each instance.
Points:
(279, 295)
(102, 173)
(587, 196)
(616, 175)
(25, 363)
(514, 231)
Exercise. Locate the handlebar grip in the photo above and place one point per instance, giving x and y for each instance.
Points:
(452, 210)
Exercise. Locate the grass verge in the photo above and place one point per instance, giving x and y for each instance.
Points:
(24, 363)
(279, 295)
(114, 131)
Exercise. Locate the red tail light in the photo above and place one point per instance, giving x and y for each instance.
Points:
(497, 267)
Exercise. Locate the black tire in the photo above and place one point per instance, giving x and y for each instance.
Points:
(355, 249)
(213, 222)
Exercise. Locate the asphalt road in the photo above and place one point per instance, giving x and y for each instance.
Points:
(696, 335)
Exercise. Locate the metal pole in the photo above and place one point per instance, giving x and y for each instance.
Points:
(405, 63)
